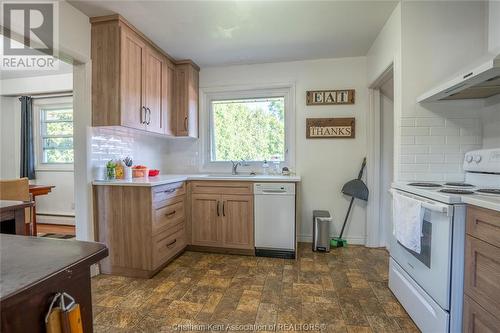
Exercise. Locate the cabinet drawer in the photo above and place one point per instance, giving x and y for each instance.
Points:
(484, 224)
(222, 187)
(164, 192)
(482, 273)
(166, 245)
(168, 216)
(477, 319)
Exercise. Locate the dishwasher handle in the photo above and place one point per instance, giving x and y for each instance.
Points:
(274, 191)
(274, 188)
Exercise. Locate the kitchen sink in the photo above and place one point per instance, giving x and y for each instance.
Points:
(229, 175)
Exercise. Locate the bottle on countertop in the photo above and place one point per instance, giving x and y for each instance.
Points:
(265, 168)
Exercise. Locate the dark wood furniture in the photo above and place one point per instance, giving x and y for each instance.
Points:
(11, 210)
(36, 190)
(34, 269)
(482, 271)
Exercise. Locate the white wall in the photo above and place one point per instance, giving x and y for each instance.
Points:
(435, 136)
(10, 144)
(494, 27)
(324, 165)
(37, 84)
(386, 166)
(490, 118)
(61, 200)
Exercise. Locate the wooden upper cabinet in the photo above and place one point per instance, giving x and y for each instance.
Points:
(168, 84)
(131, 110)
(135, 84)
(153, 72)
(187, 76)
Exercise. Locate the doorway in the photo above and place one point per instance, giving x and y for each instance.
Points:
(381, 144)
(47, 96)
(386, 171)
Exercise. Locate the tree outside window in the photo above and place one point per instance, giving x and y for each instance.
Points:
(248, 129)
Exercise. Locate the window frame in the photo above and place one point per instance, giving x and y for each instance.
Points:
(234, 93)
(40, 104)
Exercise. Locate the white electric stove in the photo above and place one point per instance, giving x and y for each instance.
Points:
(429, 284)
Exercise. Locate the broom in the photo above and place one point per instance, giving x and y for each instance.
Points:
(355, 188)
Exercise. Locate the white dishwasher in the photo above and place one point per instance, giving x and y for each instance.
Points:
(274, 219)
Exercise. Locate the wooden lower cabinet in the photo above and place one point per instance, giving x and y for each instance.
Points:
(206, 222)
(482, 271)
(477, 319)
(222, 220)
(237, 221)
(143, 227)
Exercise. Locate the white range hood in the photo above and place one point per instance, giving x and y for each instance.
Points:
(481, 82)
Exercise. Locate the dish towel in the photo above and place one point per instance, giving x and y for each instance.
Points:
(407, 219)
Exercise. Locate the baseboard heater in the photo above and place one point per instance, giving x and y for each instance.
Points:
(285, 254)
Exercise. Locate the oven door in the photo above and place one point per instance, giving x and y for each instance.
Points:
(431, 268)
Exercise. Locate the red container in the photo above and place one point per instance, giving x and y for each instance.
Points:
(154, 172)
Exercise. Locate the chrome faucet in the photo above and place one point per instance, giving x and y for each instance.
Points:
(236, 165)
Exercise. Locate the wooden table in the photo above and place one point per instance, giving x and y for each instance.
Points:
(33, 269)
(14, 210)
(36, 190)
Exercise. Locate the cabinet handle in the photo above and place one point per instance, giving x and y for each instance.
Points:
(149, 116)
(143, 108)
(170, 214)
(169, 191)
(171, 243)
(185, 123)
(218, 214)
(223, 208)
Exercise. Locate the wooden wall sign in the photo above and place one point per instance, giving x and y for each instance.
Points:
(330, 97)
(327, 128)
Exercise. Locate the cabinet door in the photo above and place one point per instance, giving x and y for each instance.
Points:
(168, 81)
(206, 219)
(187, 100)
(476, 319)
(131, 80)
(153, 70)
(237, 225)
(193, 86)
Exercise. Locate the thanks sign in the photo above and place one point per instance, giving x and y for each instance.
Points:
(325, 128)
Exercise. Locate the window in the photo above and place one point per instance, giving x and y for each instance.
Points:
(55, 131)
(250, 129)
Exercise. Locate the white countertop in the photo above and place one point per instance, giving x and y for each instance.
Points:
(484, 201)
(168, 179)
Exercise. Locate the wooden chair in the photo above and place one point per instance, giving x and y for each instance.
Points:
(17, 189)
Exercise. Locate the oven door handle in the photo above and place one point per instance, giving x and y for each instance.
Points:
(431, 205)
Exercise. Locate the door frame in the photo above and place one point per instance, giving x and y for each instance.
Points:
(373, 223)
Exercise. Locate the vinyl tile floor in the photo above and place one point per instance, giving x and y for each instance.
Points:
(341, 291)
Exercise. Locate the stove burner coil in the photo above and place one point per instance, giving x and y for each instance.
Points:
(489, 190)
(456, 184)
(425, 184)
(455, 191)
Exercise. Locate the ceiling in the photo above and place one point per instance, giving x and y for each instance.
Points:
(216, 33)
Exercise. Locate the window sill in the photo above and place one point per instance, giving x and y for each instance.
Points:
(56, 168)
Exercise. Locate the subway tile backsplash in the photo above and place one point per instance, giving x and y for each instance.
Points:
(112, 143)
(435, 138)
